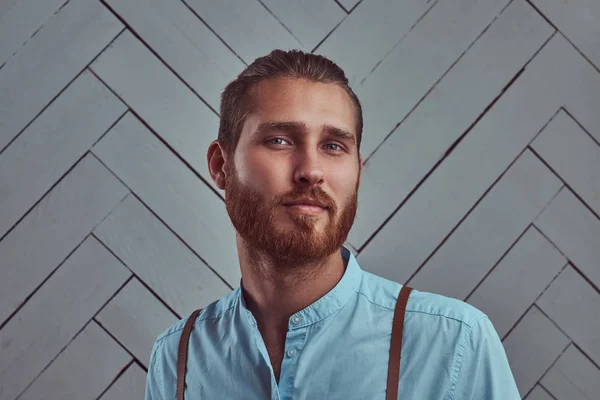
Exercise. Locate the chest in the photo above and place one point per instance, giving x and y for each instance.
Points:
(335, 370)
(276, 352)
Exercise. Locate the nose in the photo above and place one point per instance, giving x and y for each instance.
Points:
(309, 170)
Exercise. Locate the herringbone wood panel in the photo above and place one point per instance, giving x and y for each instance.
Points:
(481, 178)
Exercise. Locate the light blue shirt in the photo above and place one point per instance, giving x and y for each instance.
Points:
(338, 348)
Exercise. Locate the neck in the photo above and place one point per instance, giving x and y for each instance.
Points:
(273, 293)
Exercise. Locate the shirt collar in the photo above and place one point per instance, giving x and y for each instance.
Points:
(328, 304)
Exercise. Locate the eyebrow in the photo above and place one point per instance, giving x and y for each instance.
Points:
(299, 126)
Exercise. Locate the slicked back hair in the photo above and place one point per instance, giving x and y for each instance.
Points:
(237, 101)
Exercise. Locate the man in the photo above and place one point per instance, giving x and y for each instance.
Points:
(307, 322)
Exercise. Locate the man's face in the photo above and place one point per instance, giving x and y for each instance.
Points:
(289, 150)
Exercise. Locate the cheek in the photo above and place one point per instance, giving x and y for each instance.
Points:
(266, 177)
(343, 180)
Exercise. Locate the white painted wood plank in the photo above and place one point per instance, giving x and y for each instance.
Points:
(130, 385)
(532, 347)
(574, 306)
(575, 231)
(52, 144)
(444, 115)
(579, 93)
(60, 222)
(19, 20)
(246, 26)
(173, 192)
(348, 4)
(83, 370)
(578, 20)
(573, 155)
(535, 261)
(410, 236)
(496, 222)
(55, 313)
(573, 377)
(160, 99)
(308, 20)
(135, 317)
(538, 393)
(426, 53)
(358, 50)
(61, 49)
(160, 259)
(184, 43)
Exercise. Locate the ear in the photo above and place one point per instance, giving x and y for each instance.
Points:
(360, 168)
(216, 164)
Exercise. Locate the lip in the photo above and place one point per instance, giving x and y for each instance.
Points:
(306, 202)
(305, 209)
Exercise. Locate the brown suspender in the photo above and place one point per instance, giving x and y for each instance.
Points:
(182, 353)
(395, 348)
(391, 392)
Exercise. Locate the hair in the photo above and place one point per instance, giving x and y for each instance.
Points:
(236, 99)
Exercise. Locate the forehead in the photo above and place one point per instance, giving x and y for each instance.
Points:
(314, 103)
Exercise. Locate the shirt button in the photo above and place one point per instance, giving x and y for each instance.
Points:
(291, 353)
(295, 319)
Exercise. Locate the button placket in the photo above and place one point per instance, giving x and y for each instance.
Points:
(293, 348)
(295, 321)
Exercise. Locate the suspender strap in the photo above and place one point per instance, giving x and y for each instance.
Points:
(396, 344)
(395, 348)
(182, 353)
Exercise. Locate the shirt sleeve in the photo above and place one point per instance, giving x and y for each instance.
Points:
(485, 372)
(154, 379)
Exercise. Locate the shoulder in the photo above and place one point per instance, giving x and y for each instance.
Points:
(162, 369)
(167, 342)
(384, 293)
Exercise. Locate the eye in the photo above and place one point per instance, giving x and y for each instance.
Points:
(270, 141)
(340, 148)
(336, 149)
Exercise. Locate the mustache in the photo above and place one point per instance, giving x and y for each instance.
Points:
(314, 193)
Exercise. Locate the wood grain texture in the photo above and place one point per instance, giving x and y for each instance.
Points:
(573, 376)
(538, 393)
(183, 42)
(572, 303)
(495, 223)
(388, 23)
(57, 225)
(68, 377)
(440, 203)
(130, 385)
(536, 262)
(173, 193)
(246, 26)
(573, 155)
(575, 231)
(52, 144)
(20, 20)
(431, 129)
(309, 21)
(136, 317)
(54, 315)
(578, 20)
(61, 49)
(415, 64)
(532, 347)
(171, 110)
(149, 249)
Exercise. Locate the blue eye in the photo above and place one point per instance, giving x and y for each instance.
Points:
(270, 141)
(337, 149)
